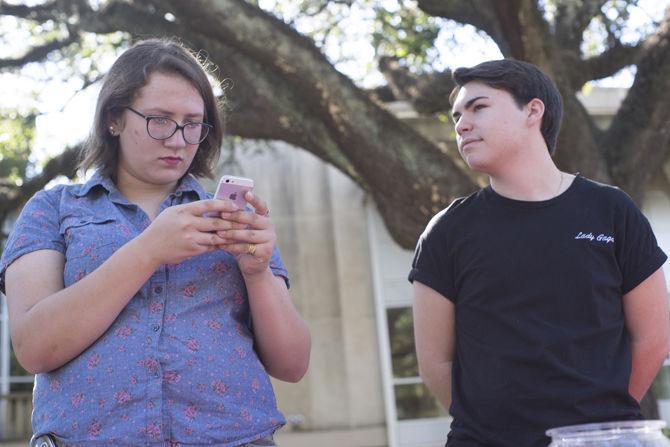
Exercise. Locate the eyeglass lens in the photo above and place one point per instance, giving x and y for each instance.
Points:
(162, 128)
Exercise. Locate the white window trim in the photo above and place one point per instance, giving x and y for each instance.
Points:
(382, 330)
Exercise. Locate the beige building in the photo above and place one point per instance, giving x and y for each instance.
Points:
(349, 281)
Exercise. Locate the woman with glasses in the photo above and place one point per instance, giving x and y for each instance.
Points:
(151, 313)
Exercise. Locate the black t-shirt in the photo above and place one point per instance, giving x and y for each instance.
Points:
(537, 287)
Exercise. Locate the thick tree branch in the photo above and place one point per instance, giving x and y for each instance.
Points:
(478, 13)
(38, 54)
(428, 92)
(57, 10)
(639, 137)
(516, 26)
(605, 64)
(571, 20)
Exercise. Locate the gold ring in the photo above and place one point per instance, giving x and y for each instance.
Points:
(251, 249)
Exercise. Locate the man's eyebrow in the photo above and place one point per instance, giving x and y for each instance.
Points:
(455, 115)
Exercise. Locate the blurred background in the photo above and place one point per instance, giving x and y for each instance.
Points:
(339, 111)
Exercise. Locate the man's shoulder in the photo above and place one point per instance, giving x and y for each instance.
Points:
(459, 210)
(603, 193)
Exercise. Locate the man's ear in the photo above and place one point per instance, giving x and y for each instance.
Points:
(535, 111)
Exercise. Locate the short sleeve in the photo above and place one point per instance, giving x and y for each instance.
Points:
(37, 228)
(638, 253)
(432, 265)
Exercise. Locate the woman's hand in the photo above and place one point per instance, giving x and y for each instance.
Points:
(251, 235)
(183, 231)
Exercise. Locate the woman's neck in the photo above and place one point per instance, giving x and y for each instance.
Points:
(147, 196)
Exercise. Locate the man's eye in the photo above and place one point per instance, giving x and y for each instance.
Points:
(478, 106)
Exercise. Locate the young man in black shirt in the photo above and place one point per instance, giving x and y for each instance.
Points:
(539, 301)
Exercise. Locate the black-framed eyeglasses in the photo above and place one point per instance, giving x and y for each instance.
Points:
(162, 128)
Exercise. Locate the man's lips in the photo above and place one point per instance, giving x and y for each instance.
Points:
(469, 140)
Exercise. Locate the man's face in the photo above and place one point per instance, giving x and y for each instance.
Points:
(490, 126)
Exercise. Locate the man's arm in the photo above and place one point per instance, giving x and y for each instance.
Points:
(646, 313)
(434, 321)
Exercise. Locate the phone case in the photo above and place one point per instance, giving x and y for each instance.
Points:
(233, 188)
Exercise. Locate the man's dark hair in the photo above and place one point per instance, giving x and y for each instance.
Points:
(524, 82)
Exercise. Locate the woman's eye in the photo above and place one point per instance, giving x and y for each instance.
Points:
(160, 121)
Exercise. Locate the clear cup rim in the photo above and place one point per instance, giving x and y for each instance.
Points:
(601, 428)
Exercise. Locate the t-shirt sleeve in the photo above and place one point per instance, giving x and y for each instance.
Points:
(638, 254)
(37, 228)
(432, 265)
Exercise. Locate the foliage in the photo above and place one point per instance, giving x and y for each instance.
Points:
(406, 32)
(17, 133)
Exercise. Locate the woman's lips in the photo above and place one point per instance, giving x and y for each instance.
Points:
(171, 161)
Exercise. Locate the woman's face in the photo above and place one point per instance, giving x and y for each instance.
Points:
(143, 160)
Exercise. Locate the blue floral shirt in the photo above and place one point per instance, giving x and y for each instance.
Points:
(178, 365)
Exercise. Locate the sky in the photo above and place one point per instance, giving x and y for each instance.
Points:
(69, 112)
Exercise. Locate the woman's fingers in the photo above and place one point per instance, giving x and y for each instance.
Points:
(260, 205)
(261, 252)
(208, 206)
(217, 224)
(248, 219)
(247, 235)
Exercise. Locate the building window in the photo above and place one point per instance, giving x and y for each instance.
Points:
(412, 398)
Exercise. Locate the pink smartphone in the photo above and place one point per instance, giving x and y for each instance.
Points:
(233, 188)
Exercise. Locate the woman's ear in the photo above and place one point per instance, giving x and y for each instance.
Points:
(114, 126)
(535, 110)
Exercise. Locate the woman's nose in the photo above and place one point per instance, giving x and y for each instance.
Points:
(177, 139)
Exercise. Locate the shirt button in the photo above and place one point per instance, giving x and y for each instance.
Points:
(158, 289)
(156, 327)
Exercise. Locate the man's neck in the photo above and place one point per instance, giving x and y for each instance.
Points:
(535, 180)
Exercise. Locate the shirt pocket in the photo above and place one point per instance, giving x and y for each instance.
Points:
(89, 241)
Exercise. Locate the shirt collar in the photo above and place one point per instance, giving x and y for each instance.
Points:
(188, 183)
(98, 179)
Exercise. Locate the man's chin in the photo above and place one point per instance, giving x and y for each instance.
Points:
(476, 164)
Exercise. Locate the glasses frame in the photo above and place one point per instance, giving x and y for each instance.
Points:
(206, 127)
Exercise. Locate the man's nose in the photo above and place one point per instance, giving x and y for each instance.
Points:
(463, 125)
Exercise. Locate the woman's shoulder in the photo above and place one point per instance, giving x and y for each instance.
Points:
(55, 199)
(59, 192)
